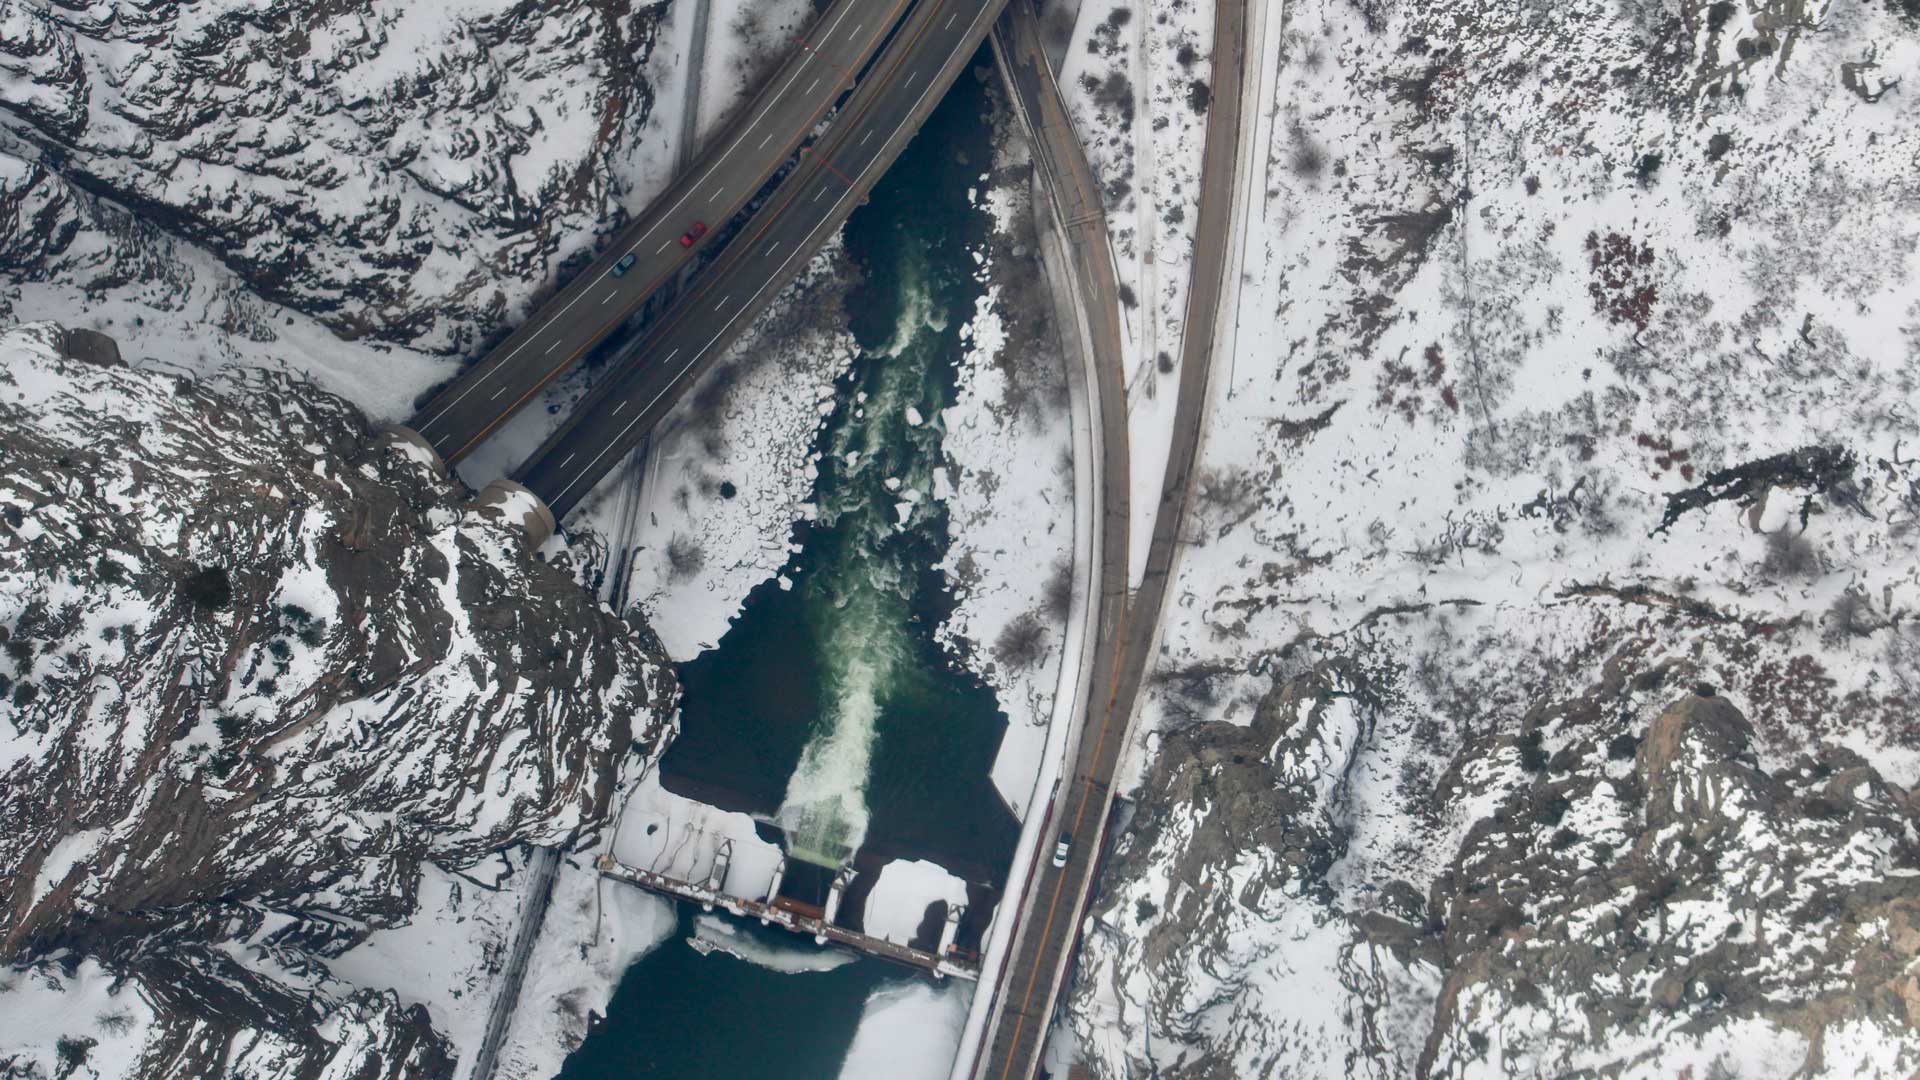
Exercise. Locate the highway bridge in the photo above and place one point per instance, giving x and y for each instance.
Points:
(928, 51)
(920, 54)
(818, 74)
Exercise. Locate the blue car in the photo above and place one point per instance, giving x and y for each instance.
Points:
(625, 264)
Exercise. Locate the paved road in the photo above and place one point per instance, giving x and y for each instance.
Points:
(913, 72)
(1024, 992)
(1052, 915)
(545, 868)
(729, 173)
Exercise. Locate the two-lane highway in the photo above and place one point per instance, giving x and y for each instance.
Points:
(931, 48)
(818, 73)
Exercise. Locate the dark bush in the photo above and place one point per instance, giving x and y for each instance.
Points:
(1622, 747)
(1022, 643)
(209, 588)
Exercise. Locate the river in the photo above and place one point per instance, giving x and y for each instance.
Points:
(829, 707)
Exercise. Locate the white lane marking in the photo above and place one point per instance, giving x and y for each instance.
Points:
(950, 19)
(609, 296)
(503, 363)
(771, 248)
(622, 405)
(717, 191)
(912, 79)
(816, 198)
(550, 349)
(845, 7)
(663, 245)
(570, 457)
(765, 141)
(497, 393)
(671, 383)
(723, 302)
(855, 32)
(864, 138)
(811, 85)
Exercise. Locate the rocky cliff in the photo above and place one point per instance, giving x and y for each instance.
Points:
(404, 172)
(1619, 898)
(255, 673)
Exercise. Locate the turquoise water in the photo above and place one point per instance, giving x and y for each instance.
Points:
(679, 1014)
(830, 708)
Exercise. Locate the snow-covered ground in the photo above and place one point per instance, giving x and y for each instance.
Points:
(909, 1031)
(1539, 312)
(1009, 487)
(1137, 79)
(730, 472)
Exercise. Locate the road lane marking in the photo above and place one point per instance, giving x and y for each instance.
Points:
(622, 405)
(691, 189)
(717, 191)
(609, 296)
(676, 352)
(570, 457)
(950, 19)
(864, 138)
(771, 248)
(671, 355)
(723, 302)
(768, 139)
(663, 245)
(550, 348)
(911, 79)
(810, 86)
(498, 392)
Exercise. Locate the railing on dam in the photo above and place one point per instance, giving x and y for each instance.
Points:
(800, 918)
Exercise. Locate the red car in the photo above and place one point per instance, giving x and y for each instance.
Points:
(699, 230)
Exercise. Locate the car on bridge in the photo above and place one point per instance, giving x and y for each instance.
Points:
(625, 264)
(1061, 849)
(699, 230)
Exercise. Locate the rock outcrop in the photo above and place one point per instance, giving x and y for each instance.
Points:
(255, 672)
(404, 172)
(1627, 899)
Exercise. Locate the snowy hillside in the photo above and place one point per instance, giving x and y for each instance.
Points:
(1571, 370)
(404, 172)
(256, 675)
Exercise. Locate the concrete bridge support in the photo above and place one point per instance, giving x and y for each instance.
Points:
(407, 440)
(512, 500)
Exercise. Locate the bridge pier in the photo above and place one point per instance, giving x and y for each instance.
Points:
(835, 893)
(402, 436)
(512, 500)
(773, 887)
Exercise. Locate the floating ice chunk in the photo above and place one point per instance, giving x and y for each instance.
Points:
(893, 483)
(914, 419)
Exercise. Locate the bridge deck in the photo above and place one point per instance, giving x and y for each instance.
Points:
(799, 922)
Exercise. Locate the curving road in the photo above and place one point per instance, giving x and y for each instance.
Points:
(818, 74)
(930, 49)
(1051, 913)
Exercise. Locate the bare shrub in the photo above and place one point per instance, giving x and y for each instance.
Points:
(1306, 158)
(1022, 644)
(1850, 616)
(1790, 555)
(685, 557)
(116, 1022)
(1057, 596)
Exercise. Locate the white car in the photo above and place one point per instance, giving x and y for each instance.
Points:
(1060, 850)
